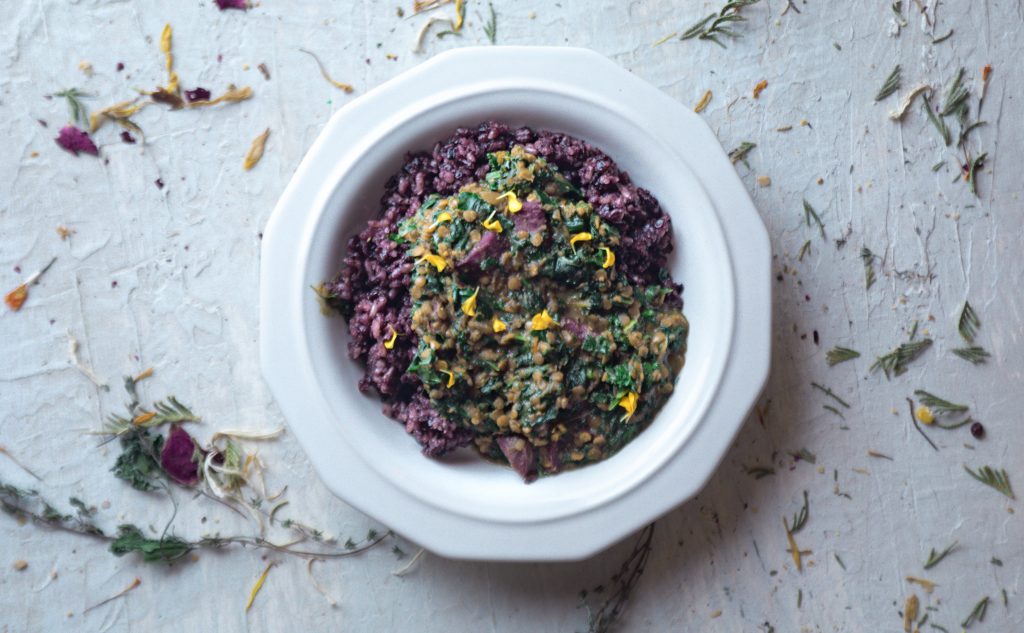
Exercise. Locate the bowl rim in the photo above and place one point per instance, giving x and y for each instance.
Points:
(354, 477)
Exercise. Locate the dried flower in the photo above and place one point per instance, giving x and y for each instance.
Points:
(231, 4)
(197, 94)
(390, 343)
(609, 257)
(75, 140)
(436, 261)
(255, 152)
(178, 457)
(541, 321)
(629, 402)
(759, 88)
(16, 298)
(498, 325)
(514, 205)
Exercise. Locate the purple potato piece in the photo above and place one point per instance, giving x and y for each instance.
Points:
(519, 453)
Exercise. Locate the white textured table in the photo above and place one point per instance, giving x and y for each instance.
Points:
(167, 277)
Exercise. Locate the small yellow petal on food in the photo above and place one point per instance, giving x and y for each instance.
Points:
(579, 237)
(514, 205)
(541, 321)
(436, 261)
(441, 218)
(492, 224)
(498, 325)
(451, 377)
(609, 257)
(469, 305)
(924, 415)
(628, 403)
(255, 152)
(390, 343)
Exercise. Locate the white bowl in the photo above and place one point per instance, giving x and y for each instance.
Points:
(465, 507)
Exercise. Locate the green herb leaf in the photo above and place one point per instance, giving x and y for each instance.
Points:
(934, 558)
(828, 392)
(937, 121)
(956, 98)
(809, 214)
(895, 362)
(740, 153)
(937, 404)
(138, 463)
(977, 613)
(968, 323)
(868, 258)
(996, 479)
(713, 26)
(891, 85)
(974, 354)
(491, 28)
(838, 355)
(800, 518)
(74, 96)
(165, 549)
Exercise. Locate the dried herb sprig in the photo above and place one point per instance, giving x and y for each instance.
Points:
(716, 25)
(968, 323)
(937, 121)
(996, 479)
(868, 258)
(491, 28)
(740, 153)
(977, 614)
(623, 583)
(974, 354)
(895, 362)
(972, 172)
(800, 517)
(839, 354)
(31, 506)
(74, 97)
(811, 214)
(934, 557)
(831, 394)
(891, 85)
(170, 411)
(937, 404)
(956, 98)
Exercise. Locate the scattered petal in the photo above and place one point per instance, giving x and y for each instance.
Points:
(390, 343)
(498, 325)
(75, 140)
(259, 585)
(197, 94)
(579, 237)
(178, 457)
(469, 305)
(231, 4)
(629, 402)
(451, 377)
(514, 205)
(436, 261)
(541, 321)
(255, 152)
(609, 257)
(759, 88)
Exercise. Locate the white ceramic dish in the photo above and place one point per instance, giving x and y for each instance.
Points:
(464, 507)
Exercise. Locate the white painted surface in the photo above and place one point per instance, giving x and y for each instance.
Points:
(185, 259)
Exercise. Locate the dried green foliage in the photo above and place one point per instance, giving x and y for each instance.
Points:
(839, 354)
(714, 26)
(891, 85)
(895, 362)
(996, 479)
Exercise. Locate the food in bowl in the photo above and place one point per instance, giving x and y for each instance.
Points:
(513, 296)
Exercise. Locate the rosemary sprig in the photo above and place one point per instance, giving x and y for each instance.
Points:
(956, 98)
(831, 394)
(624, 582)
(977, 613)
(974, 354)
(79, 114)
(868, 258)
(891, 85)
(809, 214)
(996, 479)
(934, 558)
(895, 362)
(759, 472)
(937, 404)
(968, 323)
(491, 28)
(740, 153)
(937, 121)
(838, 355)
(714, 26)
(800, 518)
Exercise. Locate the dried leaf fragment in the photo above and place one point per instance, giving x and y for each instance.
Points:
(898, 113)
(346, 88)
(255, 152)
(927, 585)
(759, 88)
(703, 103)
(910, 609)
(259, 585)
(233, 95)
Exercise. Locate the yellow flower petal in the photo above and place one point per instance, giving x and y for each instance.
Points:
(436, 261)
(542, 321)
(498, 325)
(451, 377)
(924, 415)
(469, 305)
(609, 257)
(491, 224)
(442, 217)
(628, 403)
(390, 343)
(514, 205)
(579, 237)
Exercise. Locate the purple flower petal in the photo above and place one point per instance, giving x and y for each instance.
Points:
(127, 138)
(199, 94)
(232, 4)
(178, 457)
(75, 140)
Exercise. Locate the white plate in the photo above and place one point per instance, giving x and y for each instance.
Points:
(462, 506)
